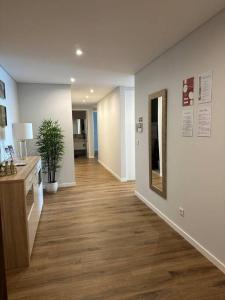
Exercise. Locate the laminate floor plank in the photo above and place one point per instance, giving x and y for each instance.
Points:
(97, 241)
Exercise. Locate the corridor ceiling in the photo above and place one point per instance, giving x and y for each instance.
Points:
(38, 39)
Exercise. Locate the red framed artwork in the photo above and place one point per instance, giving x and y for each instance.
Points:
(188, 91)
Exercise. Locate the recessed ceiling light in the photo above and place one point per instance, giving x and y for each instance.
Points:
(72, 79)
(79, 52)
(92, 91)
(87, 97)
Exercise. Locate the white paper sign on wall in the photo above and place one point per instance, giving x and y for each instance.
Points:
(187, 122)
(205, 88)
(204, 118)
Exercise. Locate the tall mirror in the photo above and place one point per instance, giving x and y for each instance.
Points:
(157, 142)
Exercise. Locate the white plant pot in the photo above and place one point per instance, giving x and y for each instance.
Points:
(52, 187)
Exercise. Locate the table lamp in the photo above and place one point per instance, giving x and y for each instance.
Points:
(23, 132)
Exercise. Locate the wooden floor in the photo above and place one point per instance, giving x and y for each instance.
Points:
(97, 241)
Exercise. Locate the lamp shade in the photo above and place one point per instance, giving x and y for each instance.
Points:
(23, 131)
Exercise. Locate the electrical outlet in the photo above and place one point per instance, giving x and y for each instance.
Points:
(181, 211)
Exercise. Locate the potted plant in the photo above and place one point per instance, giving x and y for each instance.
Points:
(50, 143)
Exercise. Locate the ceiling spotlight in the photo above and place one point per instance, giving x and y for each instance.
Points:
(72, 79)
(92, 91)
(79, 52)
(87, 97)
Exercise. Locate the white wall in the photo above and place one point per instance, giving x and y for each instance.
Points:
(11, 103)
(95, 129)
(109, 131)
(116, 132)
(196, 166)
(41, 101)
(130, 133)
(91, 151)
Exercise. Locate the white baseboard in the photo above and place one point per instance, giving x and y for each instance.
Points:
(219, 264)
(64, 184)
(91, 157)
(112, 172)
(67, 184)
(123, 179)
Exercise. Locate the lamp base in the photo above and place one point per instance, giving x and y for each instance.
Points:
(23, 149)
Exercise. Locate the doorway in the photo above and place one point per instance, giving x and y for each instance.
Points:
(80, 133)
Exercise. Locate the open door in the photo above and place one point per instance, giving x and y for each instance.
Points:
(3, 288)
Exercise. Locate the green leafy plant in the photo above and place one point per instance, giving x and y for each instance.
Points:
(50, 143)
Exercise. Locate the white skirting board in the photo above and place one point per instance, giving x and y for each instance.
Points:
(64, 184)
(113, 173)
(220, 265)
(67, 184)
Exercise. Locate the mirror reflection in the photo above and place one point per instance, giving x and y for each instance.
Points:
(157, 142)
(157, 145)
(79, 126)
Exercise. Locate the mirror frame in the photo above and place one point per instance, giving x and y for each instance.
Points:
(163, 94)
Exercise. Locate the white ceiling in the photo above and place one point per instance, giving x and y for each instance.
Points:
(38, 38)
(81, 92)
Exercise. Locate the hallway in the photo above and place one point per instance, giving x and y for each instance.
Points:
(98, 241)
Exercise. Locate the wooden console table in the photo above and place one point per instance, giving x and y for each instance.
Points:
(21, 197)
(3, 285)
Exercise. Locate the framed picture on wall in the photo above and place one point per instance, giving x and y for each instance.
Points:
(3, 116)
(11, 151)
(7, 152)
(2, 89)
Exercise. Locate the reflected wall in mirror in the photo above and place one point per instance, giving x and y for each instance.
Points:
(157, 142)
(79, 126)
